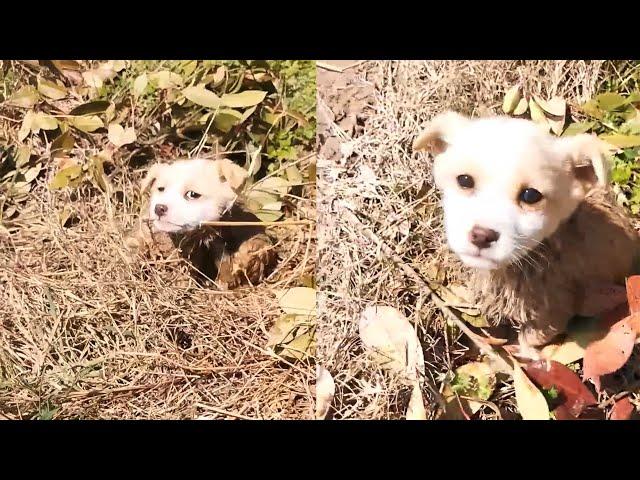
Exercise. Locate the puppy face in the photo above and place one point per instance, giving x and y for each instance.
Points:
(188, 192)
(506, 184)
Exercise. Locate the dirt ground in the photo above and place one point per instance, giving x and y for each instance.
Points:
(369, 179)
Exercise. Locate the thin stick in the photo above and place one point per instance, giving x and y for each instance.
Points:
(221, 411)
(410, 272)
(257, 224)
(334, 68)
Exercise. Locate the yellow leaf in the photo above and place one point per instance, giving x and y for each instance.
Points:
(87, 123)
(248, 98)
(201, 96)
(531, 403)
(43, 121)
(511, 99)
(522, 107)
(51, 90)
(26, 97)
(27, 122)
(556, 106)
(297, 301)
(64, 177)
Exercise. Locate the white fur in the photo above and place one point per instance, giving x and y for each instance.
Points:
(503, 155)
(175, 180)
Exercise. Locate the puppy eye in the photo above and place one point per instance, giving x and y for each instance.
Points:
(465, 181)
(161, 189)
(191, 195)
(530, 196)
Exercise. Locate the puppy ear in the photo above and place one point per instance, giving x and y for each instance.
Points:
(149, 179)
(586, 156)
(434, 139)
(231, 173)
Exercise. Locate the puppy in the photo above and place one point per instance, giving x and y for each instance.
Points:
(188, 192)
(531, 215)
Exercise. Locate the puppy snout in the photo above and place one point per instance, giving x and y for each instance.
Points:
(483, 237)
(161, 209)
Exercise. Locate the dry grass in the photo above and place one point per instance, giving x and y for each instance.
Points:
(88, 330)
(391, 190)
(91, 332)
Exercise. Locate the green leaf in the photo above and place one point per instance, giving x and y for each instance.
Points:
(622, 141)
(51, 90)
(578, 128)
(201, 96)
(64, 177)
(26, 97)
(248, 98)
(86, 123)
(90, 108)
(621, 173)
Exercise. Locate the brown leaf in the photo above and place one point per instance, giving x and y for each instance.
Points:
(575, 396)
(622, 409)
(633, 293)
(610, 353)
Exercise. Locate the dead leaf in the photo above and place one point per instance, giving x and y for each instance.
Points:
(140, 84)
(475, 380)
(325, 390)
(26, 97)
(120, 136)
(415, 409)
(610, 353)
(87, 123)
(391, 340)
(633, 293)
(51, 90)
(531, 402)
(622, 409)
(575, 396)
(297, 301)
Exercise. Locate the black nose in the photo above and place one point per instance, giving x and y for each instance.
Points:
(161, 209)
(483, 237)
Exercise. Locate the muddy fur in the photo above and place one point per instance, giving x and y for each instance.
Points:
(546, 288)
(230, 256)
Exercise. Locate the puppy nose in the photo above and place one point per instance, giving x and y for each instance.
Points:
(483, 237)
(161, 209)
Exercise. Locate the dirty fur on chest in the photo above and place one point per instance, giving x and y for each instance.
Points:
(596, 245)
(230, 256)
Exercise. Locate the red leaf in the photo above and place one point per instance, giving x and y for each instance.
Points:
(602, 297)
(549, 374)
(609, 353)
(633, 293)
(622, 409)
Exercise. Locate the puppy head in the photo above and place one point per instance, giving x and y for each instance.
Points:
(188, 192)
(506, 184)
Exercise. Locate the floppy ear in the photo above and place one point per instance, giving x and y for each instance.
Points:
(434, 139)
(586, 157)
(150, 177)
(231, 173)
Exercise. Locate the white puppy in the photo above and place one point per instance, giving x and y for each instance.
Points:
(529, 212)
(188, 192)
